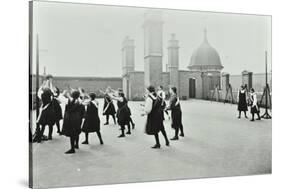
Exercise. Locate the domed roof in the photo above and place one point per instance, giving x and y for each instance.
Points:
(205, 57)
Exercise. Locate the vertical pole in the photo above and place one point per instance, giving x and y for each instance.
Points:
(266, 80)
(37, 75)
(266, 90)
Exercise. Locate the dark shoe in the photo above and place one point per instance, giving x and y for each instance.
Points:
(182, 135)
(76, 146)
(101, 142)
(106, 123)
(167, 143)
(238, 117)
(50, 138)
(252, 120)
(246, 117)
(122, 135)
(128, 133)
(133, 126)
(44, 138)
(175, 138)
(156, 146)
(85, 142)
(71, 151)
(258, 118)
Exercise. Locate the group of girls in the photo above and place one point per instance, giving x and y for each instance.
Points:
(246, 99)
(81, 113)
(123, 113)
(155, 107)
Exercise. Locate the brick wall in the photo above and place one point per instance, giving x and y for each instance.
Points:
(89, 84)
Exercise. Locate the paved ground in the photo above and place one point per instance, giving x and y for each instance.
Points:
(216, 144)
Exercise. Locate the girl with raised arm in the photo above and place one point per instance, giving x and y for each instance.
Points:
(123, 113)
(108, 107)
(47, 113)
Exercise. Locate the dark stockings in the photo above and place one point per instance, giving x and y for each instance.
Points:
(157, 145)
(73, 141)
(180, 128)
(107, 118)
(165, 136)
(50, 132)
(129, 128)
(131, 122)
(58, 127)
(245, 113)
(87, 138)
(253, 116)
(122, 131)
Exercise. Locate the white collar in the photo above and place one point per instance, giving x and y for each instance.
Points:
(152, 96)
(95, 103)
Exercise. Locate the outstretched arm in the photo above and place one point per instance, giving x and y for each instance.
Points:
(115, 97)
(101, 91)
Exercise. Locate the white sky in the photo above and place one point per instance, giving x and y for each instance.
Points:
(85, 40)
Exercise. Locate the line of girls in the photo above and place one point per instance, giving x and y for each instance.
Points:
(244, 100)
(154, 109)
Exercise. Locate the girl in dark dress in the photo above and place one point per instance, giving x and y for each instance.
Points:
(92, 120)
(254, 105)
(108, 107)
(47, 113)
(123, 113)
(130, 119)
(58, 110)
(154, 111)
(176, 114)
(242, 101)
(73, 119)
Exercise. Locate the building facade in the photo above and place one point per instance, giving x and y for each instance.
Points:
(202, 75)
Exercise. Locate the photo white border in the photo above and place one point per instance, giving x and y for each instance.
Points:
(14, 91)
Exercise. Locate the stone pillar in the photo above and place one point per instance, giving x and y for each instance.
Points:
(247, 78)
(153, 35)
(128, 55)
(225, 82)
(173, 61)
(128, 63)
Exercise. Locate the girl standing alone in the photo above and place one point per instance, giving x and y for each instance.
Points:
(73, 118)
(242, 101)
(92, 120)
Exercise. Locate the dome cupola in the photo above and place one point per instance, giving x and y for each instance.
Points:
(205, 57)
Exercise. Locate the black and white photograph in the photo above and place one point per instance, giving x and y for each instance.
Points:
(121, 94)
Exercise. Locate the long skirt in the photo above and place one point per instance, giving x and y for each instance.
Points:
(48, 116)
(123, 115)
(71, 124)
(255, 109)
(176, 119)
